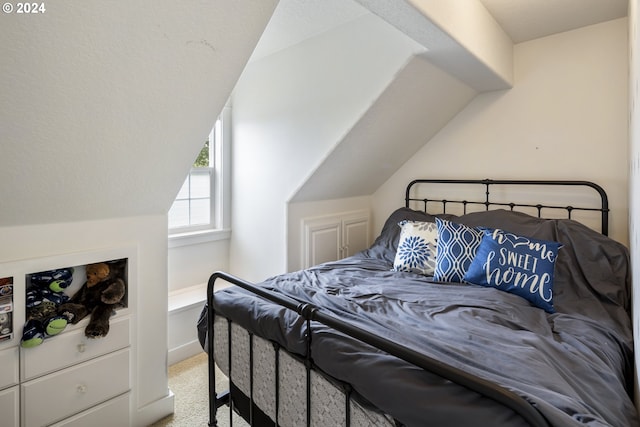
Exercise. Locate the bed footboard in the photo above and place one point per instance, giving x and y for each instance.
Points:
(310, 313)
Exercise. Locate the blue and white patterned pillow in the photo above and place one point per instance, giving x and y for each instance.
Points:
(456, 249)
(416, 247)
(516, 264)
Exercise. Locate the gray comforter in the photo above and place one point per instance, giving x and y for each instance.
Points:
(574, 366)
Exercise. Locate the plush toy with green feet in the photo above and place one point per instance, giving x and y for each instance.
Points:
(44, 296)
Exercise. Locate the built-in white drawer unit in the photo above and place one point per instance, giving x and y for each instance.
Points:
(9, 367)
(57, 396)
(113, 413)
(10, 407)
(72, 347)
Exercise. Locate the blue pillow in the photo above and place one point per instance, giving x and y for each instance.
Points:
(520, 265)
(456, 249)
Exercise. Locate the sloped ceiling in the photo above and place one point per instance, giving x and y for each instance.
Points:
(462, 39)
(522, 20)
(420, 98)
(294, 21)
(472, 44)
(391, 131)
(104, 108)
(531, 19)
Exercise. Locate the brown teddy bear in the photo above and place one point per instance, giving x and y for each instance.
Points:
(103, 292)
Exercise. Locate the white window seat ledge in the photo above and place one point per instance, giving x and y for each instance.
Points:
(185, 306)
(186, 298)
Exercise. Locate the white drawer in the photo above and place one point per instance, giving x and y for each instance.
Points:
(71, 347)
(9, 367)
(114, 412)
(9, 407)
(67, 392)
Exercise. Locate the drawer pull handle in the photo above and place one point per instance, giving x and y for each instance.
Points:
(81, 388)
(81, 348)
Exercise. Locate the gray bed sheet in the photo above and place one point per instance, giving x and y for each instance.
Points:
(574, 366)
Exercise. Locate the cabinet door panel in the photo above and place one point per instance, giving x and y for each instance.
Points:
(9, 367)
(323, 242)
(356, 236)
(334, 237)
(9, 407)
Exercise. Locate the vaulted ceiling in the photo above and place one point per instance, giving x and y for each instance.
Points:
(102, 113)
(297, 20)
(472, 45)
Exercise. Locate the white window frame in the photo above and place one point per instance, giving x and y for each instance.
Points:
(220, 162)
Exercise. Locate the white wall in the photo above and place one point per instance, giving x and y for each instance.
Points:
(150, 393)
(289, 110)
(634, 176)
(192, 264)
(565, 118)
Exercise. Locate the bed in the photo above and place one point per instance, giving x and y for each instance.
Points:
(466, 310)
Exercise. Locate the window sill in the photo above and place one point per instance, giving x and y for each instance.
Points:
(196, 237)
(186, 298)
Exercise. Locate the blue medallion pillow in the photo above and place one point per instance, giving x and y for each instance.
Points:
(416, 247)
(456, 249)
(517, 264)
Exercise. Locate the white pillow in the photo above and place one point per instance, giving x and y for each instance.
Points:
(417, 247)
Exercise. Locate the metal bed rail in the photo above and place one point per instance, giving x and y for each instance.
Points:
(310, 312)
(488, 202)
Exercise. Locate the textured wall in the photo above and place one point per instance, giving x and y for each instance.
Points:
(565, 118)
(105, 106)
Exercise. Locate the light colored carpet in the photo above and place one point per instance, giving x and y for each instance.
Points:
(188, 380)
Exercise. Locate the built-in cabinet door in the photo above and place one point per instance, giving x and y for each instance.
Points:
(323, 240)
(333, 237)
(9, 362)
(355, 237)
(10, 407)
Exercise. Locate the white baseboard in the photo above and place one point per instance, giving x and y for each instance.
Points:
(154, 411)
(184, 351)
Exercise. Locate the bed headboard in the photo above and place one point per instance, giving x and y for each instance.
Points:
(546, 199)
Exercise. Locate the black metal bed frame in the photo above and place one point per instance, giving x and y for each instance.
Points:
(310, 312)
(487, 202)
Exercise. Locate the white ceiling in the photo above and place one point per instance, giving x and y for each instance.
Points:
(296, 20)
(530, 19)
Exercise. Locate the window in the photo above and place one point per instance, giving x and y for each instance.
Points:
(192, 206)
(200, 203)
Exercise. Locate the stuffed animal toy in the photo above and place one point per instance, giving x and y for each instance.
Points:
(5, 324)
(44, 295)
(102, 293)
